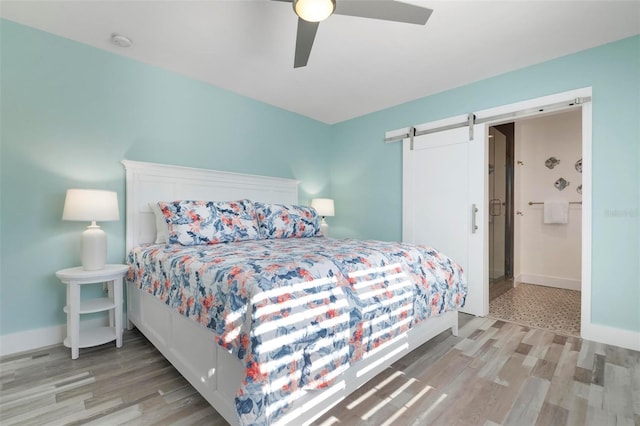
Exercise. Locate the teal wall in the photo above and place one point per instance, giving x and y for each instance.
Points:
(366, 174)
(70, 113)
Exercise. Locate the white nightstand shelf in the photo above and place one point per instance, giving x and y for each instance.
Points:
(94, 305)
(94, 337)
(75, 278)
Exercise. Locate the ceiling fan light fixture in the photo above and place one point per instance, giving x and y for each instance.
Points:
(314, 10)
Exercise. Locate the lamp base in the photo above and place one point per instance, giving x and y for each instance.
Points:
(324, 227)
(94, 248)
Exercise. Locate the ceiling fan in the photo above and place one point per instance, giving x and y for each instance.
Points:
(311, 12)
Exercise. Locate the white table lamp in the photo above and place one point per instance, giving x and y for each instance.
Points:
(92, 205)
(324, 207)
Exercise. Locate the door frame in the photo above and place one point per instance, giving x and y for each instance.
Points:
(535, 107)
(506, 201)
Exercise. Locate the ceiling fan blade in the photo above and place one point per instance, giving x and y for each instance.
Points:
(386, 10)
(304, 42)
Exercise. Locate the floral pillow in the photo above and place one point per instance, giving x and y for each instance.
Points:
(287, 221)
(210, 222)
(189, 222)
(237, 221)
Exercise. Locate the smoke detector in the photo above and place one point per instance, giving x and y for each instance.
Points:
(120, 40)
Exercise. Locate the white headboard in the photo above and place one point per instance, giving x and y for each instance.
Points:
(149, 182)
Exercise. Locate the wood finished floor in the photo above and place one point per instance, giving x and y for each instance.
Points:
(492, 373)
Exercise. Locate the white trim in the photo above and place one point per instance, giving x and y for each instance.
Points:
(32, 339)
(41, 337)
(587, 185)
(478, 240)
(589, 331)
(496, 115)
(611, 336)
(547, 281)
(531, 105)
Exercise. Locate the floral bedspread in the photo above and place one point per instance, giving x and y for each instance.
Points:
(298, 311)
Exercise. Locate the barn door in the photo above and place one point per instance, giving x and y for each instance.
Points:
(444, 202)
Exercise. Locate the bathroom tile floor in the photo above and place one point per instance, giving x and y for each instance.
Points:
(547, 308)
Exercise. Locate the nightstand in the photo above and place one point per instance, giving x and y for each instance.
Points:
(74, 278)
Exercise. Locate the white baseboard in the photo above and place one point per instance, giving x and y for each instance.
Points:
(41, 337)
(611, 336)
(566, 283)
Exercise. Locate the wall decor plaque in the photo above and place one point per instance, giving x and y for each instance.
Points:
(551, 162)
(561, 184)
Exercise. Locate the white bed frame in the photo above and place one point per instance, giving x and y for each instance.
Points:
(189, 346)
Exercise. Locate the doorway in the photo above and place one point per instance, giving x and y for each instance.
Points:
(500, 202)
(534, 260)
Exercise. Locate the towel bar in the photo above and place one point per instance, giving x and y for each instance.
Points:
(540, 202)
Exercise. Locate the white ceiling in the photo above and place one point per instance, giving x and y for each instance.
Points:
(357, 65)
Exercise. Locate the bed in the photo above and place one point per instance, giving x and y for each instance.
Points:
(275, 330)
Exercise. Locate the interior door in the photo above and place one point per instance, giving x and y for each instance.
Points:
(444, 202)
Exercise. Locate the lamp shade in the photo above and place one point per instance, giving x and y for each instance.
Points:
(91, 205)
(324, 206)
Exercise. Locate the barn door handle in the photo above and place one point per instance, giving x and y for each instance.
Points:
(474, 213)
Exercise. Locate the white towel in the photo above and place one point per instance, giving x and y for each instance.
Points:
(556, 212)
